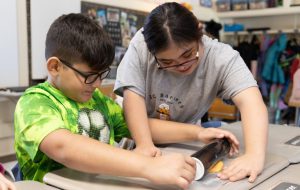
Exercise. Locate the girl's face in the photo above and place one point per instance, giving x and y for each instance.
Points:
(181, 60)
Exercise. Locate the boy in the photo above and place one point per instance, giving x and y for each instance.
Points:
(67, 121)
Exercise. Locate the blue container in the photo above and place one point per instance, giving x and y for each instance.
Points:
(233, 27)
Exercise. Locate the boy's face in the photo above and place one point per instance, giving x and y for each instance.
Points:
(71, 79)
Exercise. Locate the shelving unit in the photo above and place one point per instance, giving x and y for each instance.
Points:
(280, 19)
(287, 31)
(260, 12)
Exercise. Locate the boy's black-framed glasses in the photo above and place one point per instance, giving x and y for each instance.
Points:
(161, 65)
(88, 78)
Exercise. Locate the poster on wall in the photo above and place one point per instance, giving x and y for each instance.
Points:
(101, 17)
(121, 25)
(113, 15)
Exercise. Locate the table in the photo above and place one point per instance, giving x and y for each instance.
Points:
(283, 150)
(32, 185)
(289, 179)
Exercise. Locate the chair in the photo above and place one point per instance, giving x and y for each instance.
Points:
(221, 110)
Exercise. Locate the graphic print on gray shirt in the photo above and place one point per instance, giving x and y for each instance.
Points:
(221, 72)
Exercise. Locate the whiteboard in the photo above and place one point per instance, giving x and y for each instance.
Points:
(43, 13)
(9, 72)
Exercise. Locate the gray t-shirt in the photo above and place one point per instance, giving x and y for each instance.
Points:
(222, 72)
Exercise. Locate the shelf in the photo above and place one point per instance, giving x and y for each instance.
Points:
(260, 12)
(10, 94)
(287, 31)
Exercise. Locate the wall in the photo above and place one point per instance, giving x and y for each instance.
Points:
(9, 72)
(14, 39)
(44, 12)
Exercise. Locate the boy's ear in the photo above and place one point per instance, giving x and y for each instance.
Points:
(53, 66)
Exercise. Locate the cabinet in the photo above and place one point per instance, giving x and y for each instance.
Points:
(7, 107)
(221, 110)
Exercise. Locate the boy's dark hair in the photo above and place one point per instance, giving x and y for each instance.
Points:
(170, 22)
(77, 38)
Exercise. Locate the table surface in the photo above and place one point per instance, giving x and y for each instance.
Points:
(32, 185)
(279, 157)
(290, 175)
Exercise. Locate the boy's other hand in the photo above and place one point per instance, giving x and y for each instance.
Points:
(207, 135)
(5, 184)
(152, 150)
(171, 169)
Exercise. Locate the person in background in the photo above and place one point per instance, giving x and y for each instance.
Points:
(67, 121)
(171, 74)
(5, 184)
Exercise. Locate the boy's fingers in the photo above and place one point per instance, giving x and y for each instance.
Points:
(182, 183)
(190, 168)
(188, 175)
(190, 161)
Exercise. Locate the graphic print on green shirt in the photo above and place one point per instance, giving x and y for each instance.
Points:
(91, 123)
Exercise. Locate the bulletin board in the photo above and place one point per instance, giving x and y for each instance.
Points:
(121, 24)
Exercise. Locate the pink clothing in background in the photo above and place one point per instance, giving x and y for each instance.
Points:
(1, 169)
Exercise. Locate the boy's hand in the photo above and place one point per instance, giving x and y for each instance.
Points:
(207, 135)
(5, 184)
(148, 150)
(171, 169)
(246, 165)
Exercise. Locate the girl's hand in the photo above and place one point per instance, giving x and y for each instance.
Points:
(207, 135)
(247, 165)
(148, 151)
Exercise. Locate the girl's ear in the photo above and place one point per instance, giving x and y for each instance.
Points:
(200, 26)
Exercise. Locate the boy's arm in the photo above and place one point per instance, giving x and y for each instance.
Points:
(88, 155)
(137, 121)
(255, 128)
